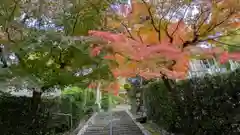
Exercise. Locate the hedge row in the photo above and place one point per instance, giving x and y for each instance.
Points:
(77, 102)
(201, 106)
(16, 117)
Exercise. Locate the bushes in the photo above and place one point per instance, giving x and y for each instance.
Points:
(208, 105)
(109, 100)
(159, 105)
(16, 117)
(105, 102)
(77, 102)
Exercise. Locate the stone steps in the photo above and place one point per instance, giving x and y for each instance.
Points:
(122, 124)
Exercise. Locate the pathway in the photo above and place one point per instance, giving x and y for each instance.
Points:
(122, 124)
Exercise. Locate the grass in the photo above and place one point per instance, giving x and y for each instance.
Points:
(151, 129)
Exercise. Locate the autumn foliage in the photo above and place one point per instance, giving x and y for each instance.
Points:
(156, 46)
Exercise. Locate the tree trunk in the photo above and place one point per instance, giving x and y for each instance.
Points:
(98, 96)
(2, 58)
(85, 92)
(35, 109)
(167, 82)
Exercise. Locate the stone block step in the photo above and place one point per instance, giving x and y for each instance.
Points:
(122, 124)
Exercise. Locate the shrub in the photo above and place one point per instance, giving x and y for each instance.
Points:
(208, 105)
(16, 117)
(160, 105)
(77, 102)
(106, 102)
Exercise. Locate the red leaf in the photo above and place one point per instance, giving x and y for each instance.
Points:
(109, 57)
(174, 74)
(234, 56)
(95, 51)
(116, 88)
(224, 57)
(108, 36)
(123, 73)
(178, 31)
(150, 75)
(142, 54)
(92, 85)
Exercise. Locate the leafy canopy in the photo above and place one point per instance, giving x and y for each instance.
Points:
(157, 39)
(40, 34)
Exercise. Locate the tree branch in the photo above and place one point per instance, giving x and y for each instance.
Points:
(95, 7)
(166, 27)
(128, 31)
(8, 21)
(160, 22)
(75, 23)
(138, 33)
(218, 24)
(180, 21)
(220, 36)
(204, 20)
(227, 44)
(151, 16)
(196, 37)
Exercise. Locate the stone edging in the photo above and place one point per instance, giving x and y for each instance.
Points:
(83, 129)
(140, 126)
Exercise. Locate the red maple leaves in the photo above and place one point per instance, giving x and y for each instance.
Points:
(224, 57)
(137, 50)
(144, 51)
(145, 58)
(95, 51)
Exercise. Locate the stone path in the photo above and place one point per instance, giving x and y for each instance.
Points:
(122, 124)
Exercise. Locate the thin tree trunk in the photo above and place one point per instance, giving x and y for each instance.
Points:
(85, 96)
(170, 85)
(98, 96)
(2, 58)
(167, 83)
(35, 108)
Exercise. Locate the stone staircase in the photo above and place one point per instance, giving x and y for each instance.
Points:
(122, 124)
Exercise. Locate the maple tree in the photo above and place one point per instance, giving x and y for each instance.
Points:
(159, 38)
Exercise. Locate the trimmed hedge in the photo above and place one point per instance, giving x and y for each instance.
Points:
(16, 117)
(202, 106)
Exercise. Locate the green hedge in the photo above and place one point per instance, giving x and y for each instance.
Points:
(77, 102)
(208, 105)
(105, 101)
(16, 119)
